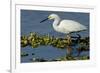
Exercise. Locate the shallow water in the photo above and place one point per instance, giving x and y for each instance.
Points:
(30, 22)
(46, 52)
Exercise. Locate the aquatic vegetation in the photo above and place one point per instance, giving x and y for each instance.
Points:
(84, 58)
(35, 40)
(24, 41)
(69, 58)
(46, 40)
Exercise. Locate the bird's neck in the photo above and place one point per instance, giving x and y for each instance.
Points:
(56, 23)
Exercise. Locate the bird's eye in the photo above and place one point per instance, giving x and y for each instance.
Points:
(50, 17)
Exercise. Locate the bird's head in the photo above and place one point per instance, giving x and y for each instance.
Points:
(51, 17)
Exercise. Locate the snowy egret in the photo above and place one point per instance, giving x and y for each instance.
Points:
(65, 26)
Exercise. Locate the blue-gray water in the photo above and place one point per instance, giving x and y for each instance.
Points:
(30, 22)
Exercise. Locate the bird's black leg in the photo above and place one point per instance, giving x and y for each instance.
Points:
(79, 36)
(78, 41)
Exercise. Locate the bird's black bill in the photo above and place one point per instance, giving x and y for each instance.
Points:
(44, 20)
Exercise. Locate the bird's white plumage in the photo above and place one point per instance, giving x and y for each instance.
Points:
(66, 26)
(69, 26)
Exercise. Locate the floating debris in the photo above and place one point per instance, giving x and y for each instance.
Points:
(38, 60)
(33, 53)
(24, 54)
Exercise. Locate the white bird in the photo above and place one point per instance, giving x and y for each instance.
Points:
(65, 26)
